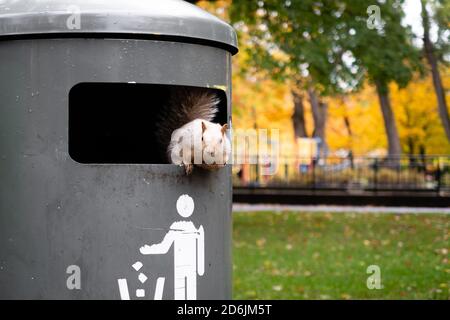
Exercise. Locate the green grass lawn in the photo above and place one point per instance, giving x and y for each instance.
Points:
(325, 256)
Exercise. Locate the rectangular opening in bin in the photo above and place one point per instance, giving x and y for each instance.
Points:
(114, 123)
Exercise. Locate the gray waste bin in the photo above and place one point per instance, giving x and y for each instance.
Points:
(81, 190)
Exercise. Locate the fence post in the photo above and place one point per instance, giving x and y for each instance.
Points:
(257, 169)
(438, 178)
(375, 177)
(286, 171)
(314, 162)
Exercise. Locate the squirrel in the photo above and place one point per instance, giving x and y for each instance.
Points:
(186, 133)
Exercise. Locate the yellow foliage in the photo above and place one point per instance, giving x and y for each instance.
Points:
(415, 108)
(259, 102)
(263, 104)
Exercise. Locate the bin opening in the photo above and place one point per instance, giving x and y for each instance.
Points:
(114, 123)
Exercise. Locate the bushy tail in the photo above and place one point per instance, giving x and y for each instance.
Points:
(185, 104)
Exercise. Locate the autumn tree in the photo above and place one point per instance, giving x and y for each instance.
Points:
(386, 53)
(434, 52)
(302, 32)
(334, 47)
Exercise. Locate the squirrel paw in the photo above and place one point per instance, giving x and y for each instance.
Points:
(188, 168)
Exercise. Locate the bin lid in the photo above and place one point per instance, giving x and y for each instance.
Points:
(174, 20)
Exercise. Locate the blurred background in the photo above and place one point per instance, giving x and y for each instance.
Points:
(359, 93)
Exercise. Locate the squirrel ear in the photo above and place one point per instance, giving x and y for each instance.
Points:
(203, 127)
(224, 128)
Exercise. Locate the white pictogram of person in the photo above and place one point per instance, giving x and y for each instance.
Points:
(189, 251)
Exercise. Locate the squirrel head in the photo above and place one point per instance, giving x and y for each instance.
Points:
(207, 139)
(216, 145)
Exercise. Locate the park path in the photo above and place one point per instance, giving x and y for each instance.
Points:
(239, 207)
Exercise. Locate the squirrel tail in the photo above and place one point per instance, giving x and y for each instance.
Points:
(185, 104)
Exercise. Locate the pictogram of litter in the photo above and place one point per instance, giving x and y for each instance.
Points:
(142, 278)
(137, 266)
(140, 293)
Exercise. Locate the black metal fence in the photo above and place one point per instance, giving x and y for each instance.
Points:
(405, 173)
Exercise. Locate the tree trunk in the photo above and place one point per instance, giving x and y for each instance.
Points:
(298, 118)
(347, 122)
(394, 147)
(319, 110)
(348, 126)
(437, 82)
